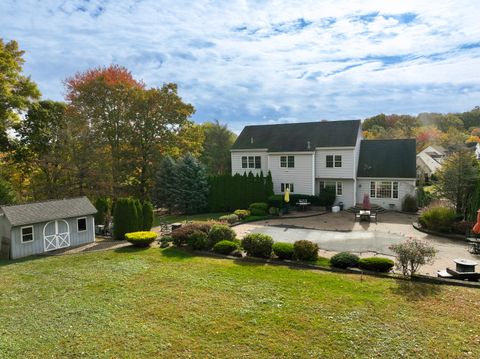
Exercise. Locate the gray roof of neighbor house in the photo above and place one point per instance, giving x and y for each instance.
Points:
(29, 213)
(387, 158)
(295, 136)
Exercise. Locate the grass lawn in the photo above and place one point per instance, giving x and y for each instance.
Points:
(134, 303)
(185, 217)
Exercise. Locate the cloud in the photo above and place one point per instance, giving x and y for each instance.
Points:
(246, 62)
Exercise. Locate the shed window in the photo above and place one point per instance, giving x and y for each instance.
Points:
(27, 234)
(81, 224)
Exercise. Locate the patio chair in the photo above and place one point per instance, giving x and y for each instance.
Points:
(165, 227)
(374, 216)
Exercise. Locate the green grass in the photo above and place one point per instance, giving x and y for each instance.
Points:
(185, 217)
(134, 303)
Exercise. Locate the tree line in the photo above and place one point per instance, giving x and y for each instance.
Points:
(107, 139)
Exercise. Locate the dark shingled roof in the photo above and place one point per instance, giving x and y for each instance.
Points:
(387, 158)
(29, 213)
(294, 136)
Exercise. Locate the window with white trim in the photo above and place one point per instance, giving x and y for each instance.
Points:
(27, 234)
(81, 224)
(384, 189)
(329, 161)
(285, 186)
(287, 161)
(251, 162)
(258, 162)
(338, 161)
(338, 185)
(244, 162)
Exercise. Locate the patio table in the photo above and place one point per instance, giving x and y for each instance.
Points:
(302, 206)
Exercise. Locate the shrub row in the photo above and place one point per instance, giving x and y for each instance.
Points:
(202, 235)
(131, 215)
(350, 260)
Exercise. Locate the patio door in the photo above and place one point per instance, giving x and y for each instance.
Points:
(56, 235)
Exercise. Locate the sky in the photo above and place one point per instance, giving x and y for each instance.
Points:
(260, 62)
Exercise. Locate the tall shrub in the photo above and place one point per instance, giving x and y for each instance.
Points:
(102, 204)
(165, 181)
(147, 212)
(412, 254)
(124, 218)
(138, 214)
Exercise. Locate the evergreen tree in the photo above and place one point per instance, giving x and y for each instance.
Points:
(102, 204)
(138, 214)
(165, 183)
(191, 188)
(124, 218)
(269, 185)
(147, 212)
(7, 194)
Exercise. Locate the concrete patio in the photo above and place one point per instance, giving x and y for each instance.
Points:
(336, 232)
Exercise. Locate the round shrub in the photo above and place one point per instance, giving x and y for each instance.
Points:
(198, 240)
(225, 247)
(409, 204)
(258, 209)
(180, 235)
(141, 239)
(229, 218)
(438, 218)
(376, 264)
(305, 250)
(258, 245)
(274, 211)
(165, 241)
(220, 232)
(242, 213)
(283, 250)
(344, 260)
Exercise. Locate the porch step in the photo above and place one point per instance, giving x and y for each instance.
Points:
(374, 207)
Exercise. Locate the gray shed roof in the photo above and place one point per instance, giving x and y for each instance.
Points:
(387, 159)
(29, 213)
(296, 136)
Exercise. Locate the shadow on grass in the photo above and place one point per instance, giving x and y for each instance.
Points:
(172, 252)
(130, 249)
(414, 291)
(6, 262)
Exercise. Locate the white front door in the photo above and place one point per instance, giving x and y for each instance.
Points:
(56, 234)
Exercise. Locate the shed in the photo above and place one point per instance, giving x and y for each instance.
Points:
(35, 228)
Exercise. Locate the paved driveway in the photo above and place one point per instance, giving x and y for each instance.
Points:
(336, 232)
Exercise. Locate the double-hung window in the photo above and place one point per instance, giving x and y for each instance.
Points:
(81, 224)
(331, 161)
(27, 234)
(287, 161)
(384, 189)
(337, 185)
(285, 186)
(251, 162)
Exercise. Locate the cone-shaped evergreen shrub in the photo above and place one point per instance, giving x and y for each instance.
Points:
(124, 218)
(147, 212)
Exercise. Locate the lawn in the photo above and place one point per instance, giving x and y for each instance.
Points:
(133, 303)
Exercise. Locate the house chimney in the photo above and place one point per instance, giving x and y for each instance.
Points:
(308, 144)
(251, 139)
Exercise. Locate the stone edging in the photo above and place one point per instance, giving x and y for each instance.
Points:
(457, 237)
(289, 263)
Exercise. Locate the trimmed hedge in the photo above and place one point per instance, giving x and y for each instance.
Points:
(258, 245)
(147, 214)
(180, 235)
(344, 260)
(376, 264)
(258, 209)
(141, 238)
(229, 218)
(283, 250)
(125, 218)
(242, 213)
(220, 232)
(438, 218)
(225, 247)
(305, 250)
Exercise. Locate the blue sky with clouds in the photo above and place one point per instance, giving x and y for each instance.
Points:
(251, 62)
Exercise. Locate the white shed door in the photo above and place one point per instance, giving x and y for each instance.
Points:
(56, 234)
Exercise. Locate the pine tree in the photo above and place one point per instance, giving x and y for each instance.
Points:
(138, 215)
(165, 182)
(269, 185)
(147, 212)
(191, 185)
(124, 218)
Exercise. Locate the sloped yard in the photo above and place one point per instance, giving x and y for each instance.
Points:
(144, 303)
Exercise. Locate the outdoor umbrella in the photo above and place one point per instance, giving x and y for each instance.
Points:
(476, 227)
(286, 198)
(366, 202)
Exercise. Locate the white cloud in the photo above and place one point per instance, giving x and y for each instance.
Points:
(259, 62)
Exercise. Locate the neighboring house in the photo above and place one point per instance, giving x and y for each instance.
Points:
(39, 227)
(307, 157)
(429, 161)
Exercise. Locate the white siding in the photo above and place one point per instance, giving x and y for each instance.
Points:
(301, 175)
(405, 186)
(237, 162)
(347, 196)
(347, 169)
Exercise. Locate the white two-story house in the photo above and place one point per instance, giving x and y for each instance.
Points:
(307, 157)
